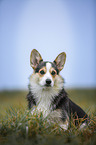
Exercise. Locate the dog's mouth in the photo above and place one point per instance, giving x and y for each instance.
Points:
(47, 85)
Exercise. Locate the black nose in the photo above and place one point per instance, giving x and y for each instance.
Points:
(48, 82)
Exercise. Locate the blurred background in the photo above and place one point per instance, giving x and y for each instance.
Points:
(50, 26)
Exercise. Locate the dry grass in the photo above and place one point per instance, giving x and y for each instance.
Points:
(19, 126)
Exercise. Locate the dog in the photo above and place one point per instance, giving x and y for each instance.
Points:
(47, 93)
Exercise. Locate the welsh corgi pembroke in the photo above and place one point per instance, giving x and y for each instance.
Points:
(47, 93)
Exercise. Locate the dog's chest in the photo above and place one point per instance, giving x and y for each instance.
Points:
(44, 103)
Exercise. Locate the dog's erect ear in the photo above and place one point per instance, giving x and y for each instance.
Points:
(35, 58)
(60, 60)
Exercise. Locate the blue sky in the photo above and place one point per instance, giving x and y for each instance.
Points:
(50, 26)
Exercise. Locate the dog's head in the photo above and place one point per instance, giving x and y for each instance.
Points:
(46, 74)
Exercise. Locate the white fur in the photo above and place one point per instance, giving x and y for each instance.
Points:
(64, 126)
(47, 76)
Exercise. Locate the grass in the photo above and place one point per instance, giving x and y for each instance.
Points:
(19, 126)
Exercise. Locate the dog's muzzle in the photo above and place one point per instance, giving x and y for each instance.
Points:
(48, 82)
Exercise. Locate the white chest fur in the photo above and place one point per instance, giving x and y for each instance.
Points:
(44, 101)
(44, 106)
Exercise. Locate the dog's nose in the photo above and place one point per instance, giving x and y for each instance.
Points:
(48, 81)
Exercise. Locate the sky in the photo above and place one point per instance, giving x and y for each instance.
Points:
(51, 27)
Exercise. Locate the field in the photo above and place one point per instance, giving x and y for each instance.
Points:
(19, 127)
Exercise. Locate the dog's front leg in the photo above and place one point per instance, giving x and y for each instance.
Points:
(57, 117)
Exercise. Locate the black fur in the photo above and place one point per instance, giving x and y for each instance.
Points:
(62, 102)
(31, 100)
(43, 63)
(39, 66)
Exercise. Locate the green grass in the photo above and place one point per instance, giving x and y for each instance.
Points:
(19, 126)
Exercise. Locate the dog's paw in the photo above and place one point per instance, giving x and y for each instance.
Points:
(64, 126)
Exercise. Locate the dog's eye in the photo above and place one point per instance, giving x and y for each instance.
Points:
(53, 73)
(42, 72)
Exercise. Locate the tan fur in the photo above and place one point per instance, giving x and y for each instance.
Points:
(60, 60)
(44, 69)
(35, 58)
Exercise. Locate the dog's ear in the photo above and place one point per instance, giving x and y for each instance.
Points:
(35, 58)
(60, 60)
